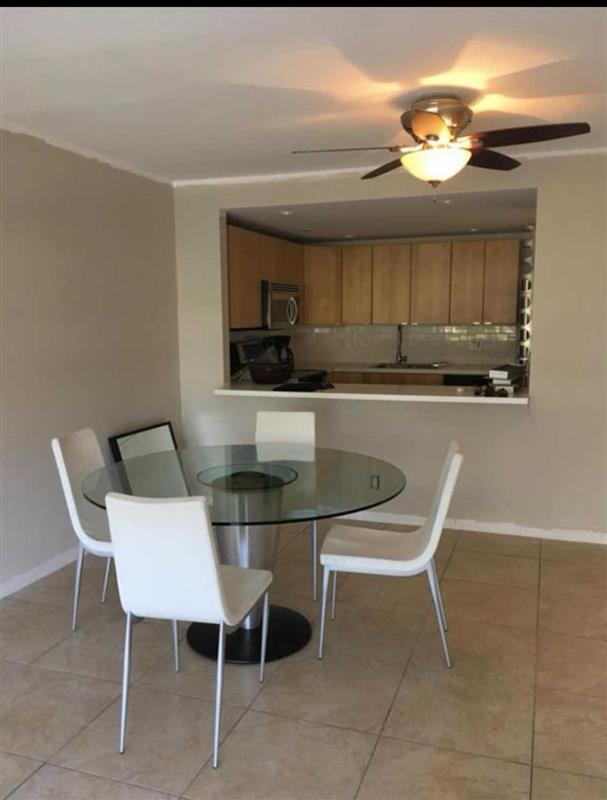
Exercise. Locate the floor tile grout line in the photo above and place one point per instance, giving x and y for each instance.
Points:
(81, 730)
(25, 780)
(222, 742)
(537, 653)
(398, 688)
(499, 555)
(476, 754)
(332, 725)
(489, 583)
(126, 783)
(159, 792)
(577, 774)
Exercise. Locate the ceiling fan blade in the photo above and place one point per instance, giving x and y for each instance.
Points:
(381, 170)
(427, 126)
(490, 159)
(530, 133)
(347, 149)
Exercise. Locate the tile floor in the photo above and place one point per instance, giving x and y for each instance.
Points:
(522, 714)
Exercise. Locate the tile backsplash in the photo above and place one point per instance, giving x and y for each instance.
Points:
(455, 344)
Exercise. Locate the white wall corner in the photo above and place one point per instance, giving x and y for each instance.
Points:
(41, 571)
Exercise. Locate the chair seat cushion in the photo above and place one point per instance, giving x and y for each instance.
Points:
(348, 548)
(243, 588)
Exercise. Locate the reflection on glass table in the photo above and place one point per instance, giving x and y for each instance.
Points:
(251, 490)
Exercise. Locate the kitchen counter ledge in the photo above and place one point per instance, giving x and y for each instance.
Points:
(366, 391)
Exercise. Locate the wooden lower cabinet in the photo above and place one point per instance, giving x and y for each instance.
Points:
(393, 378)
(348, 377)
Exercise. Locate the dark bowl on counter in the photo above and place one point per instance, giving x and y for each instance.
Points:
(270, 373)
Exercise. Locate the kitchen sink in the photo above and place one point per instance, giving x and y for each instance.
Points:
(434, 365)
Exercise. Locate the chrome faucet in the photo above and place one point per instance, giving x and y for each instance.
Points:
(401, 358)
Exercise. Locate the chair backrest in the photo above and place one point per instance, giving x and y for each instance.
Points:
(77, 455)
(433, 527)
(292, 427)
(166, 558)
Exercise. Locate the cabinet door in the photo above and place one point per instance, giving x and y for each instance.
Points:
(270, 257)
(291, 265)
(404, 379)
(391, 284)
(244, 278)
(322, 285)
(501, 281)
(467, 281)
(430, 283)
(356, 269)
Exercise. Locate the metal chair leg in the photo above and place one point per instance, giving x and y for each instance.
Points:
(77, 579)
(440, 597)
(175, 630)
(314, 554)
(333, 595)
(126, 668)
(439, 620)
(264, 634)
(106, 578)
(323, 609)
(221, 646)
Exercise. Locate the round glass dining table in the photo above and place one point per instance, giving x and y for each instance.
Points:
(252, 490)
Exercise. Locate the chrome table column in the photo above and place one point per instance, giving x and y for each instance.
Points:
(253, 546)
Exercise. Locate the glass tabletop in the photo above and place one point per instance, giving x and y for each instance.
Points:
(260, 484)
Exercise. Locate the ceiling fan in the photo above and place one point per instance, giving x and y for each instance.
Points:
(440, 152)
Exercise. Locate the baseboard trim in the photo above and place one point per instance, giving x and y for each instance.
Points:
(508, 528)
(41, 571)
(380, 517)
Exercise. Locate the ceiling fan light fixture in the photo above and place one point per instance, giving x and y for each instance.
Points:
(435, 164)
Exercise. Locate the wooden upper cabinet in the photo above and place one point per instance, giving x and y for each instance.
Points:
(356, 277)
(430, 283)
(391, 284)
(322, 285)
(501, 281)
(467, 281)
(291, 262)
(244, 276)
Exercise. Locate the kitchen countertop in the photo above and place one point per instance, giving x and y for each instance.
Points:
(355, 366)
(366, 391)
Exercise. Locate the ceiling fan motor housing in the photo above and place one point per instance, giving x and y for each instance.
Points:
(436, 119)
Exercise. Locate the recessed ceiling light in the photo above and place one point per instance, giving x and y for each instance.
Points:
(286, 212)
(348, 236)
(473, 230)
(445, 201)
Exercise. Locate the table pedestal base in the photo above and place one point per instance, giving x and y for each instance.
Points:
(288, 632)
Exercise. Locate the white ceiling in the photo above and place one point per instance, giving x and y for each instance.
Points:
(395, 218)
(188, 93)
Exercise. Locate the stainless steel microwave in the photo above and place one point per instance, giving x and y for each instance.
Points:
(279, 305)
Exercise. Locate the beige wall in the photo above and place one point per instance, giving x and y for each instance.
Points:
(89, 324)
(541, 466)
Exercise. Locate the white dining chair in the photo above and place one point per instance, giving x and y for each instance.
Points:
(296, 429)
(77, 455)
(369, 551)
(168, 568)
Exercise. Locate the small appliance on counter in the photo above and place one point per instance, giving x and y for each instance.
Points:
(306, 380)
(266, 360)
